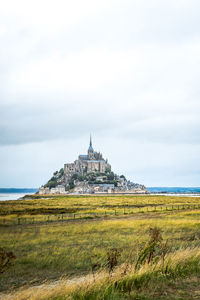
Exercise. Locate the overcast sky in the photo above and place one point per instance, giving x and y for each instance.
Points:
(125, 71)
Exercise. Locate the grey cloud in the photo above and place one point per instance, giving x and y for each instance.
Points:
(128, 72)
(38, 123)
(171, 129)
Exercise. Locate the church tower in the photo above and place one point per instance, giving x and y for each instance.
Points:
(90, 150)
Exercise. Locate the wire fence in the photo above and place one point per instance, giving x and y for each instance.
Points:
(37, 219)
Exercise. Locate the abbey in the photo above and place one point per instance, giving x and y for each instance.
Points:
(89, 174)
(85, 164)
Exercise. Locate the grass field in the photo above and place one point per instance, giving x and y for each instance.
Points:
(55, 208)
(51, 250)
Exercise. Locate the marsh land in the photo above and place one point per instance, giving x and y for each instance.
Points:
(56, 237)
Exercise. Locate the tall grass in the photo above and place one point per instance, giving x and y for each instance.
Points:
(62, 204)
(179, 264)
(51, 251)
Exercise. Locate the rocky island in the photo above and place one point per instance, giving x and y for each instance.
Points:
(89, 174)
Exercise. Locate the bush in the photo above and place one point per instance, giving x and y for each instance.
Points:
(112, 259)
(154, 250)
(6, 260)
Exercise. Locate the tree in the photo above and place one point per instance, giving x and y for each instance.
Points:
(75, 176)
(61, 172)
(111, 176)
(71, 185)
(51, 184)
(81, 177)
(107, 170)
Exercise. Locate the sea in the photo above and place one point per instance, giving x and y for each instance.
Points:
(177, 191)
(15, 194)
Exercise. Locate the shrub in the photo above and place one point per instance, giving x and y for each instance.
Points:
(6, 260)
(154, 250)
(112, 259)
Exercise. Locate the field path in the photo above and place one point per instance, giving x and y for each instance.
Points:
(25, 292)
(184, 289)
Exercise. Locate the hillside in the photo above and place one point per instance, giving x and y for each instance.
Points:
(89, 174)
(93, 182)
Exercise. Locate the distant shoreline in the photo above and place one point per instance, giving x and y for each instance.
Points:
(18, 190)
(16, 193)
(153, 190)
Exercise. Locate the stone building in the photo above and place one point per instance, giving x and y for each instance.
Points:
(91, 162)
(59, 189)
(44, 190)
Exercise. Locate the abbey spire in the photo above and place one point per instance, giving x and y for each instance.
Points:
(90, 140)
(90, 149)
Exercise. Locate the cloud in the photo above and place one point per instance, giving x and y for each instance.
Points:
(127, 71)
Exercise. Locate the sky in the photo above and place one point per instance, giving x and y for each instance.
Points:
(125, 71)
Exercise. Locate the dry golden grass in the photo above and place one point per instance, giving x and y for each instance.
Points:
(51, 251)
(48, 252)
(44, 209)
(66, 289)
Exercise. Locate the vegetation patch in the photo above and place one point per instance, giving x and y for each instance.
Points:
(39, 211)
(139, 255)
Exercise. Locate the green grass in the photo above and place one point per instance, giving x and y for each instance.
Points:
(145, 286)
(179, 279)
(51, 250)
(59, 204)
(57, 208)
